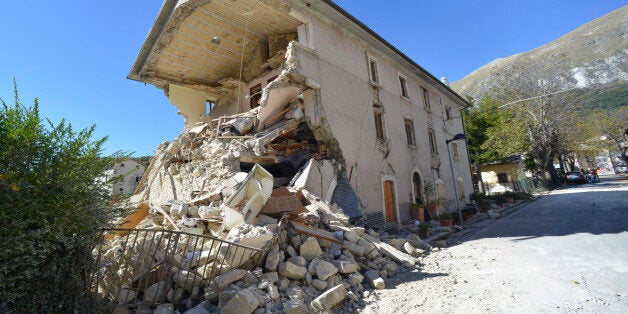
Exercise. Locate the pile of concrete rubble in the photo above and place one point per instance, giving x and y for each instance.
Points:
(252, 228)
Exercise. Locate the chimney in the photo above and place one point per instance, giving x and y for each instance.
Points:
(444, 80)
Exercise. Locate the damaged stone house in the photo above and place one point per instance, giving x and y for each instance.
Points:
(313, 96)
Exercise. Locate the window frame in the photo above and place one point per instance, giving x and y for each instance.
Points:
(380, 130)
(426, 98)
(432, 140)
(410, 134)
(403, 86)
(454, 148)
(373, 72)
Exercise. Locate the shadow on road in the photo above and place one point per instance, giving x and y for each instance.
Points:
(392, 283)
(600, 208)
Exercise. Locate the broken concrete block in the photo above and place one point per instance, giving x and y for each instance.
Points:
(244, 302)
(186, 280)
(390, 267)
(409, 249)
(156, 292)
(294, 307)
(351, 236)
(175, 295)
(166, 308)
(272, 260)
(345, 267)
(125, 295)
(329, 298)
(355, 249)
(273, 277)
(391, 252)
(292, 271)
(298, 260)
(319, 284)
(324, 269)
(310, 249)
(355, 279)
(368, 246)
(376, 281)
(291, 251)
(226, 279)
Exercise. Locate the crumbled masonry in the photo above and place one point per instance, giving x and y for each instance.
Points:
(235, 215)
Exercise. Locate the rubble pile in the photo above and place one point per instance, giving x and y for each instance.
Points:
(239, 214)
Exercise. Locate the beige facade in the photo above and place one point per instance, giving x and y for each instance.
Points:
(386, 117)
(129, 172)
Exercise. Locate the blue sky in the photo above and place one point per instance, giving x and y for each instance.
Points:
(75, 56)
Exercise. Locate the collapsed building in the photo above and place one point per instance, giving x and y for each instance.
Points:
(299, 142)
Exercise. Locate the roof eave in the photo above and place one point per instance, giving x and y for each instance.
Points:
(160, 23)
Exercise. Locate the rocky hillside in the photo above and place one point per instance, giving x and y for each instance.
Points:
(595, 54)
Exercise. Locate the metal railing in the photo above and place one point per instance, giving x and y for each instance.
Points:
(150, 267)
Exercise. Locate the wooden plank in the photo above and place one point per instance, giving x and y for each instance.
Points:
(317, 233)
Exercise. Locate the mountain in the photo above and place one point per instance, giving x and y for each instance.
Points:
(595, 55)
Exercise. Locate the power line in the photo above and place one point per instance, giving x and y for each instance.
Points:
(535, 97)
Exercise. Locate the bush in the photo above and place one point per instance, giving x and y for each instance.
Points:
(51, 209)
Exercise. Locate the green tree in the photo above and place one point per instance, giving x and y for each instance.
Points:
(51, 208)
(492, 132)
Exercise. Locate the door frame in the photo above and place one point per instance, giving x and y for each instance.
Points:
(396, 196)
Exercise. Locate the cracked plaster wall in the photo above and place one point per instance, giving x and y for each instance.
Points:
(342, 72)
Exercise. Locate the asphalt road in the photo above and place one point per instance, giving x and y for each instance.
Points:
(565, 252)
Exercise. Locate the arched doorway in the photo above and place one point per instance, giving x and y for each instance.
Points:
(417, 188)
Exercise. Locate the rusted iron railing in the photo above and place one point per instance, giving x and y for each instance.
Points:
(150, 267)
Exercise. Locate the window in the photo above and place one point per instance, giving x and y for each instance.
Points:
(403, 84)
(121, 189)
(426, 98)
(379, 124)
(255, 94)
(502, 178)
(447, 112)
(209, 106)
(454, 148)
(461, 194)
(374, 74)
(137, 179)
(432, 138)
(409, 132)
(271, 79)
(122, 165)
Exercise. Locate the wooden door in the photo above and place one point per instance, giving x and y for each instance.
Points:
(389, 201)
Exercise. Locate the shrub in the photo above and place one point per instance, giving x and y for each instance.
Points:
(446, 216)
(51, 208)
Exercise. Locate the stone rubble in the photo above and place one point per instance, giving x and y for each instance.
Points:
(196, 184)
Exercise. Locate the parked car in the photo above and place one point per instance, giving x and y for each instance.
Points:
(575, 177)
(621, 170)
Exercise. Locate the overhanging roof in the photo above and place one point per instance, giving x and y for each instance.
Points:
(164, 59)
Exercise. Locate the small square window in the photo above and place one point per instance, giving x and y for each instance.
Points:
(374, 74)
(122, 165)
(426, 98)
(403, 84)
(409, 124)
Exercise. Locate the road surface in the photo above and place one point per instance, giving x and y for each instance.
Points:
(565, 252)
